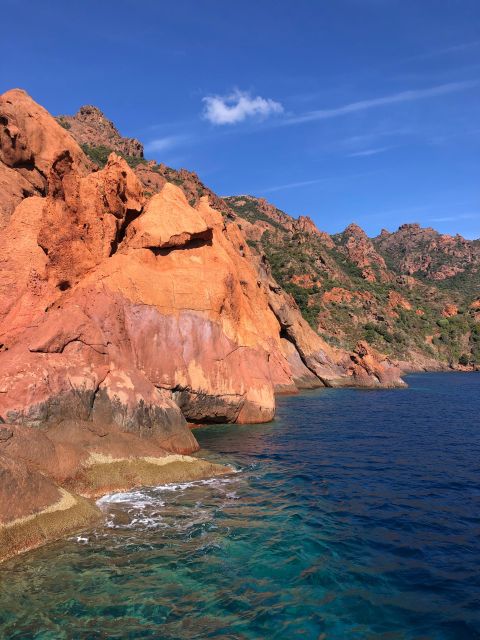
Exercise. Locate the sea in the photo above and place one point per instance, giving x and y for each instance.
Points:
(354, 514)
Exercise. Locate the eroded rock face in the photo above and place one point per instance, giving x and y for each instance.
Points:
(137, 315)
(30, 142)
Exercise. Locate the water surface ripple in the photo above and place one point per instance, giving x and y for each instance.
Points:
(354, 515)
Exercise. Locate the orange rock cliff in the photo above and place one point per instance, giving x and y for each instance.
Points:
(122, 318)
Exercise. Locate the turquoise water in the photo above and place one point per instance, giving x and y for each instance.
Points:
(354, 515)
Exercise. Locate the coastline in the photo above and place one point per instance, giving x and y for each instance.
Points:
(102, 473)
(433, 366)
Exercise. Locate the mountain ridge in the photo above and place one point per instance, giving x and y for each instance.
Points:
(413, 293)
(410, 262)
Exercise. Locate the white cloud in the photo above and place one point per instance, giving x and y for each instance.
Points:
(237, 106)
(162, 144)
(404, 96)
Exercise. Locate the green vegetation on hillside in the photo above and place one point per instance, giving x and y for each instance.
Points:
(399, 316)
(247, 208)
(99, 155)
(64, 123)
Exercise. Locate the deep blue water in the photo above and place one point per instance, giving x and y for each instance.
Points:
(354, 515)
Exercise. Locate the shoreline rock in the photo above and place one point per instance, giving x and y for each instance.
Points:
(68, 515)
(104, 474)
(72, 507)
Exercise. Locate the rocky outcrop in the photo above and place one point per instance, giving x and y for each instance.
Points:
(436, 256)
(397, 301)
(450, 310)
(90, 126)
(372, 369)
(30, 142)
(34, 510)
(355, 243)
(47, 474)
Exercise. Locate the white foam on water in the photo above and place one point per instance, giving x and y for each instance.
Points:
(139, 498)
(144, 496)
(142, 509)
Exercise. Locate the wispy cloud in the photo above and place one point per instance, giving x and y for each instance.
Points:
(370, 137)
(410, 95)
(431, 212)
(305, 183)
(292, 185)
(237, 106)
(368, 152)
(456, 48)
(165, 143)
(453, 218)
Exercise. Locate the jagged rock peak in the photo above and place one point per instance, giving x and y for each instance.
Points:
(355, 230)
(89, 112)
(407, 226)
(306, 224)
(90, 126)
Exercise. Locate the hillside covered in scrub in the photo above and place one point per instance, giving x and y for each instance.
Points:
(413, 294)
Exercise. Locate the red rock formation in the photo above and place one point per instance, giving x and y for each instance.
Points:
(396, 300)
(414, 249)
(450, 310)
(360, 250)
(304, 280)
(120, 319)
(338, 294)
(90, 126)
(30, 142)
(372, 368)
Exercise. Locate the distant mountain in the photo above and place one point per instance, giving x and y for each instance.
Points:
(432, 256)
(413, 294)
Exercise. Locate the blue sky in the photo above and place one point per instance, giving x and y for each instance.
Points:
(344, 110)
